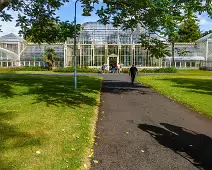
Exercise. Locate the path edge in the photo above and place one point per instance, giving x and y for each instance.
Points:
(89, 153)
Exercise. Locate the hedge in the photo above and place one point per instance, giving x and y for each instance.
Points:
(80, 70)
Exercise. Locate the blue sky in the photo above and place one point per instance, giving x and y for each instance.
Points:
(67, 13)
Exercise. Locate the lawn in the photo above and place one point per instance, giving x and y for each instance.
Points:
(193, 91)
(194, 73)
(44, 123)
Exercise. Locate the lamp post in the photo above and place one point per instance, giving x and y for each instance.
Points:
(75, 43)
(173, 61)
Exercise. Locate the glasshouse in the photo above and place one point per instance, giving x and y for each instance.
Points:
(99, 44)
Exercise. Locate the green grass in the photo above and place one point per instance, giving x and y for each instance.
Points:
(193, 91)
(44, 123)
(194, 73)
(37, 72)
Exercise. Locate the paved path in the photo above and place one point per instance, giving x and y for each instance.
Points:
(139, 129)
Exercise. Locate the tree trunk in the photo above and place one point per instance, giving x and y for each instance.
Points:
(4, 4)
(173, 62)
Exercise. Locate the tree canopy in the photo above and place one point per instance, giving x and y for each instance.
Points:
(189, 30)
(56, 33)
(161, 16)
(206, 33)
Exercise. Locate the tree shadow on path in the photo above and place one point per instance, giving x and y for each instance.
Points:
(194, 147)
(115, 86)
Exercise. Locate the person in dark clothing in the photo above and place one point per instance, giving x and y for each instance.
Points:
(132, 73)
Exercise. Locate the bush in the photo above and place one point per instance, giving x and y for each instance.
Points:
(6, 71)
(205, 68)
(79, 70)
(160, 70)
(34, 68)
(125, 70)
(23, 68)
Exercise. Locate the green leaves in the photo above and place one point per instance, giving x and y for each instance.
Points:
(163, 16)
(189, 30)
(51, 32)
(206, 33)
(36, 18)
(49, 56)
(156, 47)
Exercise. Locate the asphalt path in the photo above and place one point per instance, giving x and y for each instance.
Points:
(139, 129)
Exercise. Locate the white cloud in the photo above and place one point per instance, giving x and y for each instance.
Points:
(205, 22)
(9, 27)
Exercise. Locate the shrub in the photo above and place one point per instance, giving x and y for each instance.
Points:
(6, 71)
(205, 68)
(34, 68)
(125, 70)
(160, 70)
(23, 68)
(79, 70)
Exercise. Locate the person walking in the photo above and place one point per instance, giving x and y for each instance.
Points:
(118, 67)
(132, 73)
(113, 70)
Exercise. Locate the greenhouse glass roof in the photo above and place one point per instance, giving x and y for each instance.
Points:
(96, 33)
(205, 38)
(11, 38)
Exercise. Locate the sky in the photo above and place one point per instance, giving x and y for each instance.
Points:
(67, 13)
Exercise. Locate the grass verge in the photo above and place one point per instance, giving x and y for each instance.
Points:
(44, 123)
(194, 73)
(194, 92)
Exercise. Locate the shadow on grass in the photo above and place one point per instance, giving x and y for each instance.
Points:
(202, 86)
(53, 90)
(10, 138)
(194, 147)
(5, 90)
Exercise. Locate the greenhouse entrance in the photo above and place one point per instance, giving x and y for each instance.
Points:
(112, 61)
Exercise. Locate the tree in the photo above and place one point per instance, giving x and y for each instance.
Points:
(50, 56)
(159, 15)
(66, 30)
(189, 30)
(4, 4)
(57, 32)
(155, 47)
(206, 33)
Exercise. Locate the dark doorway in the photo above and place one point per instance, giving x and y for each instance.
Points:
(112, 62)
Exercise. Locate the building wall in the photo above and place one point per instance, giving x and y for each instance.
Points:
(95, 55)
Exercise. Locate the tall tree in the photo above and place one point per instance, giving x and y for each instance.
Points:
(57, 32)
(155, 47)
(66, 30)
(206, 33)
(189, 30)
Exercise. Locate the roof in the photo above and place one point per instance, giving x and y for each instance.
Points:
(186, 58)
(205, 38)
(11, 38)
